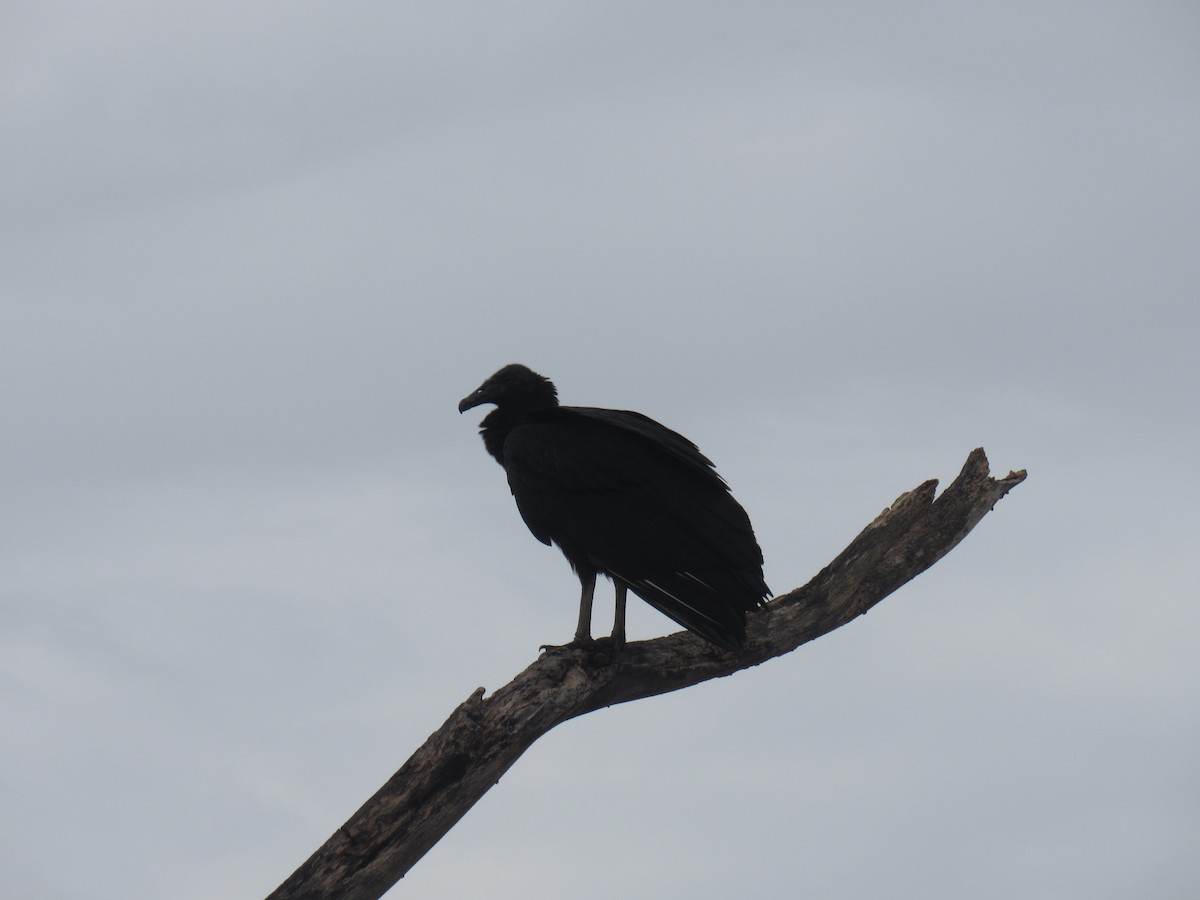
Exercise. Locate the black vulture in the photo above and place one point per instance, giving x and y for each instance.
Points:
(622, 495)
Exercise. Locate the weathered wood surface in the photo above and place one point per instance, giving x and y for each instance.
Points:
(484, 736)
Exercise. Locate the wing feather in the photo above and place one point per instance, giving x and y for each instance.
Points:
(622, 494)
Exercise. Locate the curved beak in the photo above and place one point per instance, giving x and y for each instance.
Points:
(473, 399)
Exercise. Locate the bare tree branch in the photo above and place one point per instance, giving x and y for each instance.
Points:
(484, 736)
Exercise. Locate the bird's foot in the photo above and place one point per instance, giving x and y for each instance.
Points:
(576, 644)
(605, 647)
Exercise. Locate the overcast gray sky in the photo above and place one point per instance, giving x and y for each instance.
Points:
(251, 556)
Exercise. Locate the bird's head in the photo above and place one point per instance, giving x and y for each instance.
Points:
(515, 388)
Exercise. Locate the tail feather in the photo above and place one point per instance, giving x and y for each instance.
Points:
(712, 604)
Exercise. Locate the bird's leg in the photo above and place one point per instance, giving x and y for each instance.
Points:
(583, 633)
(618, 632)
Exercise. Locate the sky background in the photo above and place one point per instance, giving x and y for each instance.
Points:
(251, 556)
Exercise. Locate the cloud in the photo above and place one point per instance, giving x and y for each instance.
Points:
(250, 556)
